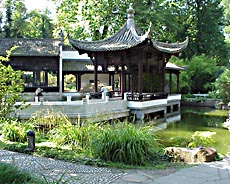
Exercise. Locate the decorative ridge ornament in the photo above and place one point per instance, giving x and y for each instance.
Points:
(130, 17)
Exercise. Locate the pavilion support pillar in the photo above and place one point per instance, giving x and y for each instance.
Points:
(111, 80)
(163, 80)
(177, 83)
(62, 84)
(95, 75)
(170, 83)
(129, 83)
(122, 76)
(140, 76)
(152, 79)
(78, 84)
(165, 60)
(61, 81)
(46, 78)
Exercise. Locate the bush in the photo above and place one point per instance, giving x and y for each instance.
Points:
(10, 174)
(198, 138)
(201, 138)
(222, 86)
(47, 120)
(75, 136)
(125, 143)
(15, 131)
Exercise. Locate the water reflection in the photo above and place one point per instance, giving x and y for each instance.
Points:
(198, 119)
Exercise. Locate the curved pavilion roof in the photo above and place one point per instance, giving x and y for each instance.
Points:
(127, 37)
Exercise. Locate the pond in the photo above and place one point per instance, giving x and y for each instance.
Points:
(199, 119)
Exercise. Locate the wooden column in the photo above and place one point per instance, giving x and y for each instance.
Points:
(46, 79)
(178, 82)
(95, 75)
(170, 83)
(152, 77)
(111, 80)
(129, 83)
(62, 85)
(122, 76)
(140, 74)
(78, 85)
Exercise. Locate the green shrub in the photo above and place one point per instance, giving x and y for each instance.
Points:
(201, 138)
(11, 175)
(47, 120)
(198, 138)
(180, 141)
(15, 131)
(125, 143)
(73, 135)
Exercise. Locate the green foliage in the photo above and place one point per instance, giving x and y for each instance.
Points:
(125, 143)
(44, 121)
(222, 86)
(12, 175)
(19, 23)
(75, 136)
(226, 4)
(15, 131)
(11, 87)
(201, 138)
(201, 71)
(198, 138)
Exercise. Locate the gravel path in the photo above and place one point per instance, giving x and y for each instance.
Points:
(57, 171)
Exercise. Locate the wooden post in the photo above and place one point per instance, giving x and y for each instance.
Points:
(78, 82)
(95, 75)
(178, 82)
(170, 83)
(140, 75)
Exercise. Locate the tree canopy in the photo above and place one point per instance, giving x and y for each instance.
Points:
(17, 22)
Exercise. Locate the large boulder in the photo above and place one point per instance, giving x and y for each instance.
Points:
(191, 155)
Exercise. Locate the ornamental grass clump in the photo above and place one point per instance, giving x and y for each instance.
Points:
(125, 143)
(74, 136)
(15, 131)
(45, 121)
(12, 175)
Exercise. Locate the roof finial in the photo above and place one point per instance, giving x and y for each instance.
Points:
(130, 20)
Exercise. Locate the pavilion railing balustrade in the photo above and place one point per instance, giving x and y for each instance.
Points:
(146, 96)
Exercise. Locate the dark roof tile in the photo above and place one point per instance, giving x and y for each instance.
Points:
(30, 47)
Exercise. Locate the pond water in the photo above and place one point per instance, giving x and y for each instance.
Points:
(199, 119)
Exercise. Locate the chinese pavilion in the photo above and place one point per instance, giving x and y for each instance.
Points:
(139, 59)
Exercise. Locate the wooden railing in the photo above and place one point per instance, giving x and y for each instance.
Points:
(146, 96)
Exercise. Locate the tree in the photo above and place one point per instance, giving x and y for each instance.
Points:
(11, 87)
(222, 86)
(206, 29)
(226, 4)
(201, 72)
(39, 25)
(89, 19)
(18, 23)
(97, 20)
(15, 18)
